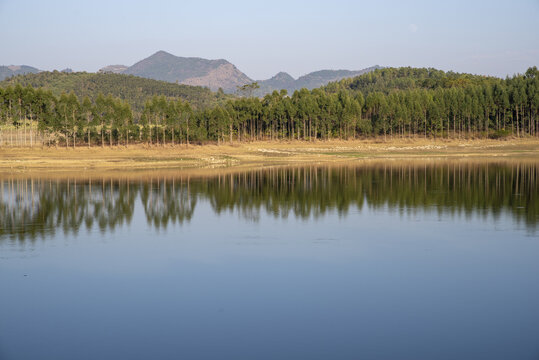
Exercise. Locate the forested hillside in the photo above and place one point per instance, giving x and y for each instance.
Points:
(387, 80)
(132, 89)
(437, 103)
(386, 103)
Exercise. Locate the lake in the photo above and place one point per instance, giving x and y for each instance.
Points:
(372, 260)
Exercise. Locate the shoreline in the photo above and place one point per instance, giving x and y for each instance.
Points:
(256, 154)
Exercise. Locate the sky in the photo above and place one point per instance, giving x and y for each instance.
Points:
(262, 38)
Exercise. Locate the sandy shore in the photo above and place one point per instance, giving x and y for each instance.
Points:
(254, 154)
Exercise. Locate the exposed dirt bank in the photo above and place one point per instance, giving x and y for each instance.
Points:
(255, 154)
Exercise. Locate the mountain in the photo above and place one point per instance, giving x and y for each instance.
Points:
(213, 74)
(310, 81)
(12, 70)
(323, 77)
(113, 69)
(134, 90)
(280, 81)
(387, 80)
(198, 72)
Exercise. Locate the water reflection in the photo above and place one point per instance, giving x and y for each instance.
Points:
(31, 208)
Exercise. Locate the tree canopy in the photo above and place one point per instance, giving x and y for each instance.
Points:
(402, 102)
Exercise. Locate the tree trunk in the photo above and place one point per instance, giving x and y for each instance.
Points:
(516, 117)
(425, 116)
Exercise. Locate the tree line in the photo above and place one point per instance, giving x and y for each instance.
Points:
(402, 102)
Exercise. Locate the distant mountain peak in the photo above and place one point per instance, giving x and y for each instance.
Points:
(220, 73)
(12, 70)
(214, 74)
(161, 53)
(309, 81)
(283, 76)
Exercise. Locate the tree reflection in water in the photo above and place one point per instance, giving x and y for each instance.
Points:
(32, 208)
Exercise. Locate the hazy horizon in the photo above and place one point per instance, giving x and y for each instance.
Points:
(490, 38)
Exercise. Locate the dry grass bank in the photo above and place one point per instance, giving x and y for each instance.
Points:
(254, 154)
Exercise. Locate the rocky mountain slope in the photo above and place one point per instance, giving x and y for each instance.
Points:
(113, 69)
(213, 74)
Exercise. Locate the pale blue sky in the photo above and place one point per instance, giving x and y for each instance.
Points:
(262, 38)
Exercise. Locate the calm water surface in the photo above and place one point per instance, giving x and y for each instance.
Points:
(380, 261)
